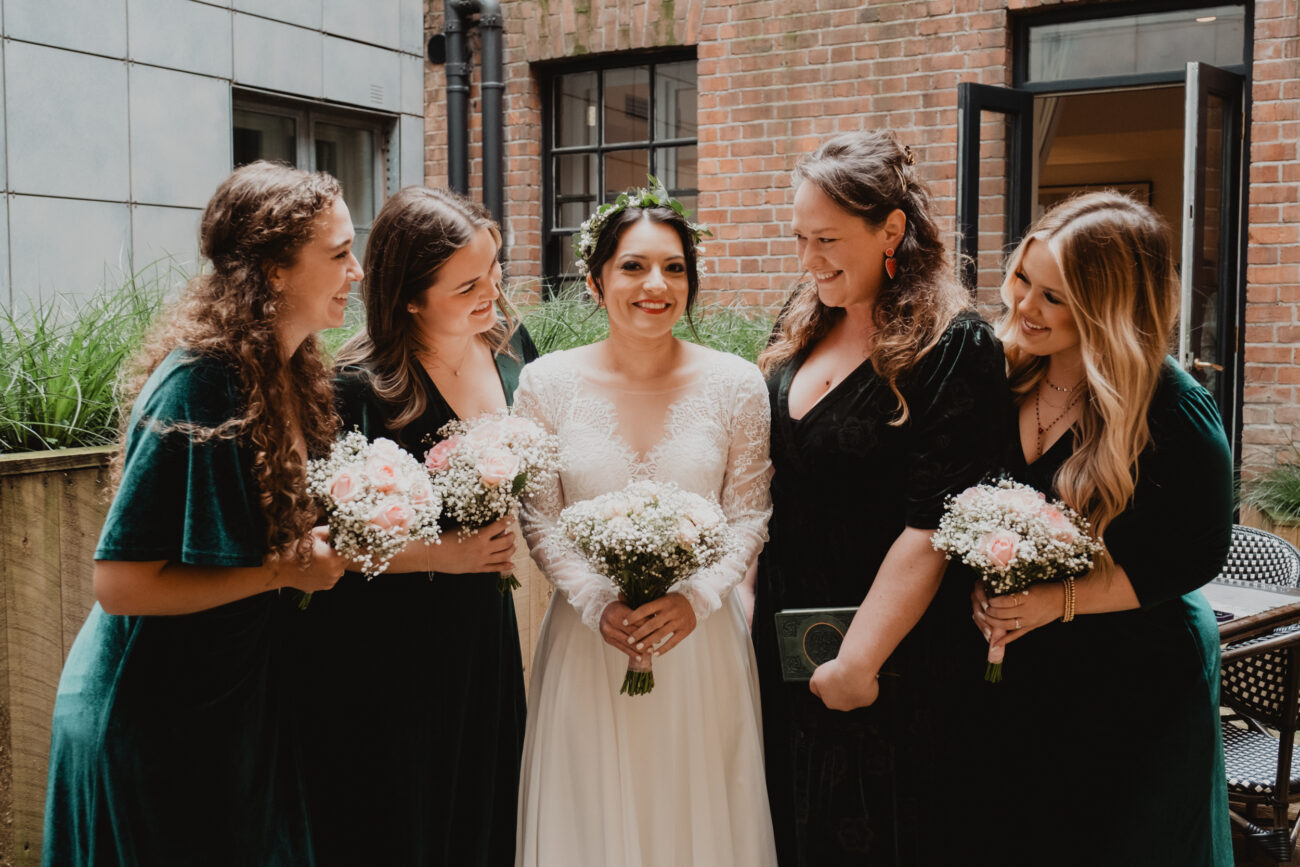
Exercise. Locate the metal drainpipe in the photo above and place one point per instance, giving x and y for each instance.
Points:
(457, 98)
(491, 26)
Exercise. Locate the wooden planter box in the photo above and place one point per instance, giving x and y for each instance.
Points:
(52, 505)
(1252, 517)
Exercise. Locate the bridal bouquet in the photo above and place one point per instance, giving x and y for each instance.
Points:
(483, 466)
(646, 538)
(376, 498)
(1013, 537)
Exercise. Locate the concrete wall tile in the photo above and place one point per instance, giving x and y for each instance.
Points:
(412, 84)
(97, 26)
(411, 26)
(362, 74)
(412, 150)
(68, 246)
(180, 136)
(375, 21)
(165, 237)
(66, 115)
(277, 56)
(305, 13)
(181, 34)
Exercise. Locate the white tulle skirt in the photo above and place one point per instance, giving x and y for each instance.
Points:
(669, 779)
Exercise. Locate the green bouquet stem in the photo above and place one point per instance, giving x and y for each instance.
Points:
(993, 672)
(304, 599)
(507, 583)
(640, 679)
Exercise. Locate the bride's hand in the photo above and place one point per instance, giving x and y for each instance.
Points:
(616, 629)
(667, 619)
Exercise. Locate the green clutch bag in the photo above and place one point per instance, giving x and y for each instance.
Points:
(807, 637)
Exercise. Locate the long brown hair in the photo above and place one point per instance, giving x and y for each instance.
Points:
(260, 216)
(414, 235)
(870, 175)
(1121, 286)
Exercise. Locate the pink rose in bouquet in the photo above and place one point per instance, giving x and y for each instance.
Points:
(392, 515)
(439, 457)
(1000, 547)
(382, 472)
(497, 466)
(345, 485)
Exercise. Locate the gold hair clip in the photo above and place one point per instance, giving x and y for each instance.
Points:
(907, 156)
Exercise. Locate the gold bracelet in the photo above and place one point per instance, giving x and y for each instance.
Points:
(1069, 601)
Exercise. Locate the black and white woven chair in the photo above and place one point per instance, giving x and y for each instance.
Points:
(1260, 683)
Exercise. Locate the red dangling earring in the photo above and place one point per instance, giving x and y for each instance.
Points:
(891, 264)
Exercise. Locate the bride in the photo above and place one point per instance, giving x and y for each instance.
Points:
(674, 777)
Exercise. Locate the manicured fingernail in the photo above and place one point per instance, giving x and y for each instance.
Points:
(988, 634)
(640, 645)
(984, 606)
(1024, 592)
(629, 641)
(625, 621)
(638, 658)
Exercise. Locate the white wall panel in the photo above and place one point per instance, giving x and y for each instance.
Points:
(412, 84)
(66, 245)
(376, 21)
(412, 150)
(181, 34)
(305, 13)
(362, 75)
(180, 136)
(165, 236)
(411, 24)
(66, 117)
(97, 26)
(277, 56)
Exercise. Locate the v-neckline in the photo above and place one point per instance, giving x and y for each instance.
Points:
(787, 379)
(433, 386)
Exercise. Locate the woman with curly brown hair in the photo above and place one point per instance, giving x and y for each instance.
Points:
(170, 744)
(887, 394)
(420, 671)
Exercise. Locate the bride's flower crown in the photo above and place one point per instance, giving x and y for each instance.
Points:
(584, 243)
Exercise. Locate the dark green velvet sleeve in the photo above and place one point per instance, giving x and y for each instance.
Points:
(1174, 536)
(192, 502)
(958, 403)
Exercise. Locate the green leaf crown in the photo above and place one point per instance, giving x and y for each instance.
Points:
(656, 196)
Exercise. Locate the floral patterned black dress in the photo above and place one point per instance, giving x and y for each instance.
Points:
(850, 788)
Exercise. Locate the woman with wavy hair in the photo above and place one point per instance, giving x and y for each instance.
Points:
(887, 394)
(170, 744)
(419, 671)
(1115, 428)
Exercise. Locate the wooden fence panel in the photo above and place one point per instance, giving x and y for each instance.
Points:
(51, 511)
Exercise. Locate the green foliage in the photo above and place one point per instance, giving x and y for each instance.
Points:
(571, 319)
(59, 361)
(1277, 492)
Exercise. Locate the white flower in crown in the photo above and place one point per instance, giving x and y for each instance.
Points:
(656, 196)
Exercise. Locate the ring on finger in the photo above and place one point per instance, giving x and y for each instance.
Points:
(1017, 623)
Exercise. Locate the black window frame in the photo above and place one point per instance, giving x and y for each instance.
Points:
(546, 75)
(1023, 22)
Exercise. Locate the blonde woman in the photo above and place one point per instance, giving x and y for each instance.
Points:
(1112, 426)
(887, 394)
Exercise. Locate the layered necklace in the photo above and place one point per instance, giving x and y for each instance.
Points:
(1038, 418)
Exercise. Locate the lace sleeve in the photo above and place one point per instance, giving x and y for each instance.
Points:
(746, 499)
(587, 590)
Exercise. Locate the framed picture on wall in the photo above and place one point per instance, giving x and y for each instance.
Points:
(1048, 196)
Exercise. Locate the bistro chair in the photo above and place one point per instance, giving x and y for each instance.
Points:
(1260, 683)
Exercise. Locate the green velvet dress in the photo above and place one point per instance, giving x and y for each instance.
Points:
(1106, 729)
(412, 691)
(169, 744)
(860, 787)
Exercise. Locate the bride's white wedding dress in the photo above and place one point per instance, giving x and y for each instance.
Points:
(673, 778)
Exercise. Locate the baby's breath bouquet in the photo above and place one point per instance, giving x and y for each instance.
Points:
(646, 538)
(376, 497)
(1013, 537)
(483, 466)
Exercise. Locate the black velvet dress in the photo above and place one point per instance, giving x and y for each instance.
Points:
(1114, 718)
(862, 787)
(412, 692)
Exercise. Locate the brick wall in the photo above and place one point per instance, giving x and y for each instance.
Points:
(775, 78)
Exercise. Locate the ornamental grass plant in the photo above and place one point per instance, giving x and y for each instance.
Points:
(571, 318)
(60, 357)
(1276, 493)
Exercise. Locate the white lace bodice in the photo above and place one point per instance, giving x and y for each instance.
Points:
(714, 442)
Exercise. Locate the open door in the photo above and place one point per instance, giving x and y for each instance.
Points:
(995, 140)
(1209, 333)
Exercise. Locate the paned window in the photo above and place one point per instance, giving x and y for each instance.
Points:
(608, 127)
